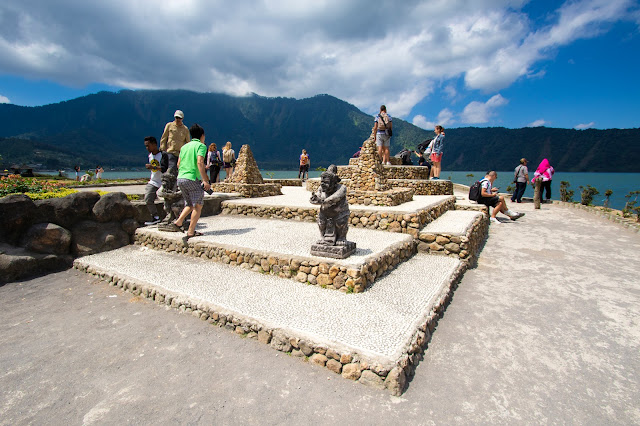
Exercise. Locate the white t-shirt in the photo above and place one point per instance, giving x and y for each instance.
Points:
(156, 174)
(486, 184)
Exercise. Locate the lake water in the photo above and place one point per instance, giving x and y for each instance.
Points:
(619, 183)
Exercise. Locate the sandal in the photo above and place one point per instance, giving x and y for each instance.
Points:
(195, 234)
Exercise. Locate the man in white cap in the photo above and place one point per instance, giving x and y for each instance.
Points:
(175, 135)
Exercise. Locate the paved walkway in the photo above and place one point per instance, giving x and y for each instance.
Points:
(545, 330)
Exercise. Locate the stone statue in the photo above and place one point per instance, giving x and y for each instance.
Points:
(173, 202)
(333, 218)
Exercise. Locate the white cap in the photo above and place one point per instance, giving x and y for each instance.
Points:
(178, 113)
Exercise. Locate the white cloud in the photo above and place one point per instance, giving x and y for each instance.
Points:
(585, 126)
(291, 48)
(445, 117)
(537, 123)
(4, 100)
(478, 112)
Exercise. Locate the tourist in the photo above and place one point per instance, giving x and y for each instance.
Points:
(191, 168)
(422, 160)
(229, 159)
(213, 163)
(490, 198)
(155, 182)
(437, 146)
(382, 129)
(99, 171)
(77, 169)
(174, 137)
(521, 177)
(304, 165)
(544, 171)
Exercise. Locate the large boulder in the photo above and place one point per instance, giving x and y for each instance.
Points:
(114, 207)
(89, 237)
(16, 215)
(47, 238)
(68, 210)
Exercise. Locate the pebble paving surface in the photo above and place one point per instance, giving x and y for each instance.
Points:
(282, 236)
(377, 323)
(453, 222)
(294, 196)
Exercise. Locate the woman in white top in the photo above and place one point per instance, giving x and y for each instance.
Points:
(229, 160)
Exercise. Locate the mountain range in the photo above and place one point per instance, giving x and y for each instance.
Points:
(108, 128)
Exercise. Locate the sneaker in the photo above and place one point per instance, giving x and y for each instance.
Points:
(155, 221)
(516, 216)
(494, 220)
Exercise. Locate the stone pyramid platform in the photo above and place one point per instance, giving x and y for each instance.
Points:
(246, 179)
(251, 273)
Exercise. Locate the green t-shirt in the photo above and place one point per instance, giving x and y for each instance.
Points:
(189, 154)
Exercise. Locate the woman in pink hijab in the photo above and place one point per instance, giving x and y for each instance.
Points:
(545, 171)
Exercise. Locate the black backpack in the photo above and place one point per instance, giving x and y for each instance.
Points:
(475, 190)
(164, 162)
(422, 147)
(405, 156)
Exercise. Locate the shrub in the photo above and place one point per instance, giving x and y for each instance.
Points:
(587, 195)
(15, 184)
(61, 193)
(566, 194)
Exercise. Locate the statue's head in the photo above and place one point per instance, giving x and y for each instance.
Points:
(329, 179)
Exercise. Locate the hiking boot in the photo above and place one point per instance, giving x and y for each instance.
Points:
(154, 221)
(516, 216)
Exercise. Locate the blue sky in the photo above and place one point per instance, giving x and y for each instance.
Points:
(511, 63)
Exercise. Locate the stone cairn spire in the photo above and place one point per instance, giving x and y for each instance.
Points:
(370, 173)
(246, 170)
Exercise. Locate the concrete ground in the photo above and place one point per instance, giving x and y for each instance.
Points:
(545, 330)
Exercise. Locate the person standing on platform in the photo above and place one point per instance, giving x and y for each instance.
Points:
(214, 162)
(382, 129)
(155, 182)
(174, 137)
(437, 147)
(521, 178)
(304, 165)
(229, 159)
(544, 171)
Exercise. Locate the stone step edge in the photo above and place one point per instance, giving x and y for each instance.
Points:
(393, 377)
(406, 223)
(327, 274)
(465, 247)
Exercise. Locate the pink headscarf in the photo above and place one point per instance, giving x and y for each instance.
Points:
(544, 170)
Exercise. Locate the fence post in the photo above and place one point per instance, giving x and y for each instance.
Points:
(537, 193)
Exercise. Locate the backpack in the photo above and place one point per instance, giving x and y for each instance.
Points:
(382, 125)
(475, 190)
(405, 156)
(164, 162)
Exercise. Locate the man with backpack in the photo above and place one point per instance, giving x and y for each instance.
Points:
(484, 193)
(382, 129)
(157, 167)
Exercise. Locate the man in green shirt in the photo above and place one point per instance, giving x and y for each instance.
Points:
(190, 169)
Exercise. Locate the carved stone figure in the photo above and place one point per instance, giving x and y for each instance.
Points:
(333, 218)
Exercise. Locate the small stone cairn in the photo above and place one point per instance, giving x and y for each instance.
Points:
(247, 179)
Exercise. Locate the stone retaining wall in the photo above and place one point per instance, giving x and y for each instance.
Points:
(406, 223)
(389, 172)
(285, 182)
(341, 360)
(391, 197)
(324, 273)
(465, 247)
(249, 190)
(424, 187)
(46, 235)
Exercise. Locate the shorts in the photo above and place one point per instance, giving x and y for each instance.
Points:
(489, 201)
(304, 167)
(436, 158)
(383, 140)
(227, 165)
(150, 193)
(192, 192)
